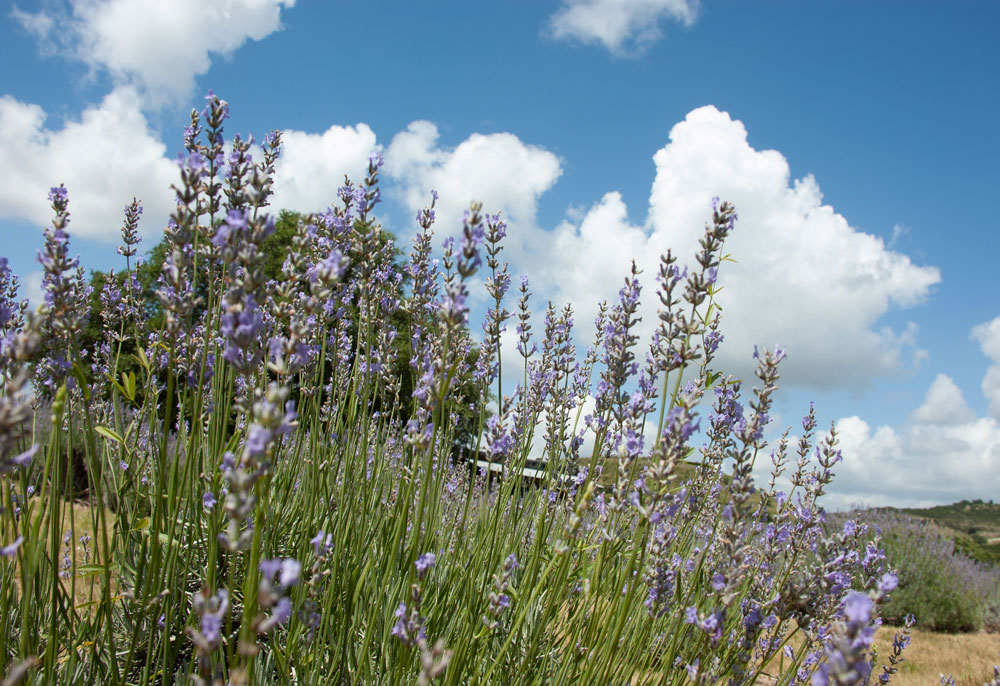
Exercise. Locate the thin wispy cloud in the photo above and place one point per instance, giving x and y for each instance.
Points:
(624, 27)
(158, 48)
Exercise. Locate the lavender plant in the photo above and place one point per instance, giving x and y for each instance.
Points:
(250, 414)
(942, 588)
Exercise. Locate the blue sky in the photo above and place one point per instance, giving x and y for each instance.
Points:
(858, 140)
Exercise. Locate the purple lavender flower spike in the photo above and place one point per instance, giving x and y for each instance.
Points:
(424, 564)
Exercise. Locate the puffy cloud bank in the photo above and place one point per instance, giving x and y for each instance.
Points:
(497, 169)
(152, 51)
(919, 464)
(105, 158)
(944, 454)
(803, 277)
(312, 165)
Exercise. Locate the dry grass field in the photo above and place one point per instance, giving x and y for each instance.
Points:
(75, 520)
(969, 658)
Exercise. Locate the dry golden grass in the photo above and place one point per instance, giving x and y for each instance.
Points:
(969, 658)
(86, 587)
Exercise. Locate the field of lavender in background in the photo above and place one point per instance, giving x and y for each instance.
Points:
(250, 479)
(943, 588)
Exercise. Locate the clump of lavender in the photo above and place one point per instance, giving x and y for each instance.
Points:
(433, 661)
(130, 232)
(256, 412)
(273, 417)
(850, 638)
(120, 311)
(299, 305)
(847, 655)
(311, 612)
(942, 588)
(899, 643)
(240, 241)
(488, 364)
(177, 292)
(17, 347)
(12, 313)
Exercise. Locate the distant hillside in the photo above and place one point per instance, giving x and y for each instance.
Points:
(976, 526)
(683, 471)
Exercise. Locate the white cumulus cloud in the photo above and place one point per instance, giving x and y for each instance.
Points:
(944, 404)
(498, 169)
(105, 157)
(158, 47)
(312, 166)
(945, 453)
(991, 389)
(586, 263)
(988, 335)
(622, 26)
(918, 465)
(803, 277)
